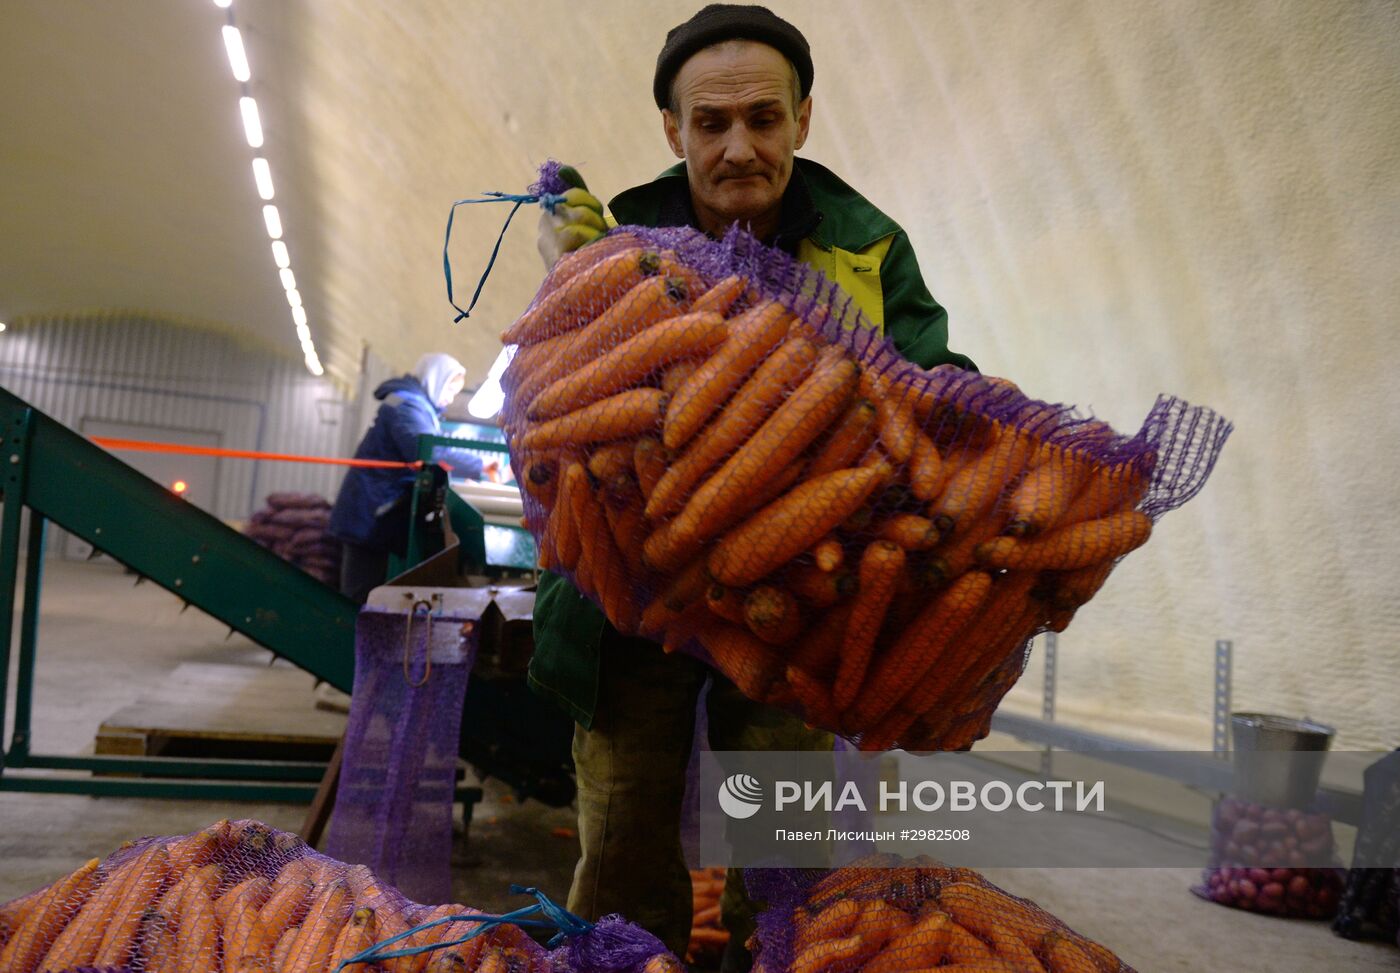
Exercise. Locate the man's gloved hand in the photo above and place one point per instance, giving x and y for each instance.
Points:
(576, 221)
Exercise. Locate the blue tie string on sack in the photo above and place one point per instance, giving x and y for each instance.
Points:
(556, 917)
(548, 200)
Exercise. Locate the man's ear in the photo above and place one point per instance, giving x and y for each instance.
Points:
(672, 125)
(804, 120)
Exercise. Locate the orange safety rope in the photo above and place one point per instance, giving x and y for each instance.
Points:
(142, 446)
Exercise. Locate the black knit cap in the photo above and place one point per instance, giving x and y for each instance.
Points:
(730, 21)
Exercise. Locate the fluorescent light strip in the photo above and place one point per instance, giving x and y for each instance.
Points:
(223, 4)
(262, 176)
(237, 56)
(252, 124)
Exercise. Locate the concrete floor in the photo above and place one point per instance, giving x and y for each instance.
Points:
(103, 640)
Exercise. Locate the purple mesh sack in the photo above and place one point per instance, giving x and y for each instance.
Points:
(242, 896)
(885, 914)
(393, 809)
(720, 450)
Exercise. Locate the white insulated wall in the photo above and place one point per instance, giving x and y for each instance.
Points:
(132, 368)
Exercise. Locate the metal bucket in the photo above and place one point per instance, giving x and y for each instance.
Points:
(1278, 760)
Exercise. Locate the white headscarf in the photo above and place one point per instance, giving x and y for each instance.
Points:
(434, 370)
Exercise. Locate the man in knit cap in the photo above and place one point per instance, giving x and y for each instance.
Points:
(733, 85)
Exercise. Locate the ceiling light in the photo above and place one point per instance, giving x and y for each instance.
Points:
(299, 316)
(274, 222)
(313, 365)
(303, 332)
(289, 280)
(2, 325)
(223, 4)
(307, 348)
(262, 175)
(279, 254)
(294, 297)
(237, 57)
(252, 124)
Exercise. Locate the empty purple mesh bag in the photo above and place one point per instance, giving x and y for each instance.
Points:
(393, 809)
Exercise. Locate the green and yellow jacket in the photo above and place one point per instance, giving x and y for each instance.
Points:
(824, 223)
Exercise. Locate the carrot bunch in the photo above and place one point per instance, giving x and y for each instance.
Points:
(237, 896)
(895, 917)
(708, 937)
(869, 543)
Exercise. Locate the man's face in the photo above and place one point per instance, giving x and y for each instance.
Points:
(735, 122)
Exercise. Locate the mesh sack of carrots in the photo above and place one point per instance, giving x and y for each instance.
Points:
(708, 936)
(720, 451)
(893, 915)
(240, 896)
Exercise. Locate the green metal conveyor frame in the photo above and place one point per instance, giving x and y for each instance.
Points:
(61, 477)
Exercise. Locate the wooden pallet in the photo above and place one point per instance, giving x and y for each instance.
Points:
(237, 712)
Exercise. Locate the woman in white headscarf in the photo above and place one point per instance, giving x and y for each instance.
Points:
(368, 518)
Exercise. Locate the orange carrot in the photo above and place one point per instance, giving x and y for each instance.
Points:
(850, 440)
(357, 935)
(47, 918)
(955, 554)
(726, 603)
(1071, 589)
(650, 461)
(828, 554)
(109, 921)
(1108, 490)
(895, 414)
(721, 296)
(919, 947)
(751, 405)
(814, 695)
(752, 335)
(817, 587)
(1080, 545)
(847, 953)
(622, 504)
(790, 525)
(910, 531)
(999, 628)
(14, 912)
(611, 460)
(649, 303)
(832, 922)
(630, 363)
(563, 526)
(918, 648)
(197, 936)
(578, 301)
(880, 564)
(1047, 491)
(599, 553)
(681, 539)
(743, 657)
(772, 614)
(616, 417)
(817, 654)
(675, 376)
(199, 848)
(927, 470)
(975, 487)
(312, 948)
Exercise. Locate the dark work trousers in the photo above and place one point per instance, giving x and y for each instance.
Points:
(362, 569)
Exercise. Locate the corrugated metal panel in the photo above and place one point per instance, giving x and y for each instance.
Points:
(132, 368)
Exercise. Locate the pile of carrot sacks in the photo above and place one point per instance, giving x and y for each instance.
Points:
(886, 914)
(295, 527)
(720, 452)
(240, 896)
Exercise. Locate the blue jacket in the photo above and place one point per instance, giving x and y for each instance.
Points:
(406, 414)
